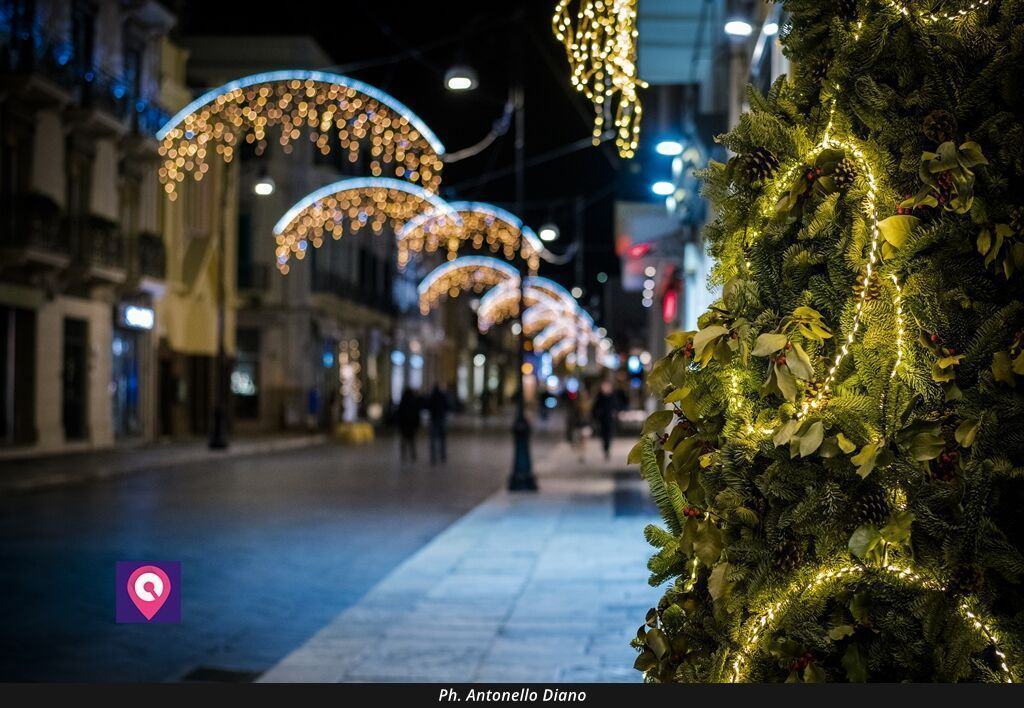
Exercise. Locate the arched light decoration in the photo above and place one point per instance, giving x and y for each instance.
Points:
(502, 303)
(348, 205)
(759, 628)
(600, 43)
(482, 225)
(466, 273)
(557, 331)
(358, 118)
(562, 349)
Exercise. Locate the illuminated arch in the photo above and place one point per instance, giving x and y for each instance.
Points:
(349, 205)
(562, 349)
(483, 225)
(502, 302)
(556, 332)
(321, 104)
(465, 273)
(760, 626)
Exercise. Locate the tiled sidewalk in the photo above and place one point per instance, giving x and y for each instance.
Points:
(526, 587)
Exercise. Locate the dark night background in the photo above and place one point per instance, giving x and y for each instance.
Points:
(406, 48)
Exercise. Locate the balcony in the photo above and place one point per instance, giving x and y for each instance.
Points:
(152, 256)
(33, 232)
(101, 249)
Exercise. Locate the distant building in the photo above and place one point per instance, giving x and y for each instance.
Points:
(82, 259)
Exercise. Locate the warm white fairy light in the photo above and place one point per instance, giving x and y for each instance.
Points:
(601, 45)
(897, 303)
(349, 205)
(938, 15)
(331, 109)
(473, 273)
(762, 623)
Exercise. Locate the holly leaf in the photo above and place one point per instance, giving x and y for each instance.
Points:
(785, 382)
(984, 241)
(657, 421)
(926, 446)
(1002, 369)
(707, 543)
(799, 363)
(645, 661)
(678, 340)
(785, 433)
(718, 586)
(845, 444)
(866, 458)
(657, 642)
(705, 337)
(814, 674)
(855, 664)
(970, 155)
(634, 454)
(811, 440)
(966, 432)
(769, 343)
(896, 229)
(840, 631)
(678, 394)
(897, 530)
(864, 540)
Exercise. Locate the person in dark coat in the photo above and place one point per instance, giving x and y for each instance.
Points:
(407, 417)
(438, 407)
(606, 406)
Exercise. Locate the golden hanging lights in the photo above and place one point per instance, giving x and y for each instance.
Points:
(600, 43)
(335, 111)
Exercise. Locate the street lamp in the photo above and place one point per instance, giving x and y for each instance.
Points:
(460, 78)
(264, 186)
(548, 232)
(738, 28)
(770, 29)
(663, 188)
(669, 148)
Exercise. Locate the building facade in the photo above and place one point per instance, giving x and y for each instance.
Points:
(82, 259)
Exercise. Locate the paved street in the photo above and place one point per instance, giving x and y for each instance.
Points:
(334, 563)
(272, 547)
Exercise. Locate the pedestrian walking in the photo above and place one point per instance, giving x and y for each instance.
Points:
(438, 407)
(579, 411)
(606, 408)
(407, 416)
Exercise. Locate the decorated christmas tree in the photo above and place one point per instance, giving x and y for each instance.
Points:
(840, 458)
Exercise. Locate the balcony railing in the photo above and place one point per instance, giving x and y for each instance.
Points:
(102, 244)
(34, 222)
(28, 47)
(152, 256)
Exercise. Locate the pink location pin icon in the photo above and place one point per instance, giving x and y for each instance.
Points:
(149, 587)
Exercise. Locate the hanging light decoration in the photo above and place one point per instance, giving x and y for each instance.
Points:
(481, 225)
(468, 273)
(600, 42)
(501, 303)
(349, 205)
(335, 111)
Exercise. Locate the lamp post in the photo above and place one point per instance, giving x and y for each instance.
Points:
(521, 479)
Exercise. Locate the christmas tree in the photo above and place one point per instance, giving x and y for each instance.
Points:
(840, 456)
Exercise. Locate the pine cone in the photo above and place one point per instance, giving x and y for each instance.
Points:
(759, 164)
(845, 173)
(818, 71)
(1017, 219)
(874, 288)
(872, 506)
(847, 9)
(939, 126)
(787, 556)
(966, 579)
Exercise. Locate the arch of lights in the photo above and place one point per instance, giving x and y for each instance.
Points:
(502, 302)
(474, 273)
(335, 111)
(482, 225)
(562, 350)
(347, 206)
(555, 332)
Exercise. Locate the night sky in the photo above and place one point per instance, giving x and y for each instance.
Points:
(405, 49)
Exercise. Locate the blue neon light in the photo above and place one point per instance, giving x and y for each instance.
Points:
(303, 75)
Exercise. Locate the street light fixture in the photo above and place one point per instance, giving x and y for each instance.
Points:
(663, 188)
(548, 232)
(460, 78)
(264, 186)
(770, 29)
(669, 148)
(738, 28)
